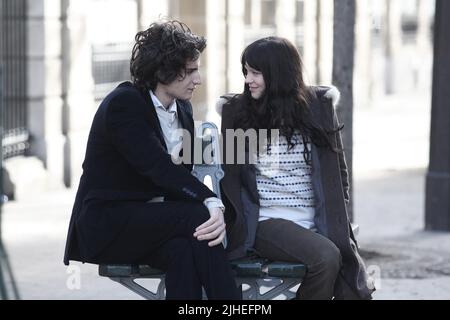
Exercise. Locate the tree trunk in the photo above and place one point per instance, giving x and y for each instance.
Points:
(343, 61)
(437, 216)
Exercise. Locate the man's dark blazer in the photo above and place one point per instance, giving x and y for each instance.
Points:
(126, 160)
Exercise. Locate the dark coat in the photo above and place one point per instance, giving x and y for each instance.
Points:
(126, 160)
(330, 183)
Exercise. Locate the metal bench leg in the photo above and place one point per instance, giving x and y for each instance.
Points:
(129, 282)
(254, 290)
(280, 288)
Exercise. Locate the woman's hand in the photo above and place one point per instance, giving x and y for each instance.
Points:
(213, 229)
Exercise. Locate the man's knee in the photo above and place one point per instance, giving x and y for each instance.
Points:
(197, 215)
(180, 250)
(178, 245)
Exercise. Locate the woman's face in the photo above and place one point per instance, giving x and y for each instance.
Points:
(255, 81)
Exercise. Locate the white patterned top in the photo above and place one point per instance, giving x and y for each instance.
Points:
(284, 183)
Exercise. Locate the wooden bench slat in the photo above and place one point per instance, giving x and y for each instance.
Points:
(286, 270)
(257, 268)
(248, 268)
(128, 270)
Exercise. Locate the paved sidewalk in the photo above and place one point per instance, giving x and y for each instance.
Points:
(391, 148)
(34, 235)
(414, 264)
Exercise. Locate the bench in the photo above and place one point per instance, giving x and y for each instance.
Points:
(259, 279)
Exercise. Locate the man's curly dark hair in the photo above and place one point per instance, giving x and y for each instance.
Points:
(161, 52)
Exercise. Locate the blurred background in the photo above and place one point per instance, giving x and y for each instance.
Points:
(59, 58)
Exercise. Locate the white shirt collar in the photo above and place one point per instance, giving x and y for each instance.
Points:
(172, 108)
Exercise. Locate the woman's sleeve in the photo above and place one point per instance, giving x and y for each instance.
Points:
(342, 162)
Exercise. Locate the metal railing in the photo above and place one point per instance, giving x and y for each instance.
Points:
(13, 45)
(110, 66)
(6, 276)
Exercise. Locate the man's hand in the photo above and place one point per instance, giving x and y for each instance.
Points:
(213, 229)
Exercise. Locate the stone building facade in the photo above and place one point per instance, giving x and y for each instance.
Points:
(70, 53)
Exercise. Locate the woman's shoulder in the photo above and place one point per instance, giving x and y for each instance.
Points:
(226, 103)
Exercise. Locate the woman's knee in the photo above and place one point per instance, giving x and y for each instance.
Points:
(328, 260)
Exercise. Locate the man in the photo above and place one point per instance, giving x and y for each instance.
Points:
(134, 204)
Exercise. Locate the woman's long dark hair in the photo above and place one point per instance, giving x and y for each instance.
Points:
(284, 104)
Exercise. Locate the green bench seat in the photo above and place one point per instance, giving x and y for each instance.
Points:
(242, 268)
(251, 275)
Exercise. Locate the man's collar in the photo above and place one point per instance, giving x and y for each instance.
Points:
(157, 103)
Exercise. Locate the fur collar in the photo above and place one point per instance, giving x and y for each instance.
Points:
(334, 94)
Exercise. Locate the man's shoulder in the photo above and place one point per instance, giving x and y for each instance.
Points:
(125, 90)
(124, 95)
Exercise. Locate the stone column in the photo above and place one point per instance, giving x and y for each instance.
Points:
(318, 48)
(44, 86)
(363, 55)
(424, 45)
(215, 55)
(151, 11)
(325, 44)
(437, 214)
(393, 40)
(285, 19)
(423, 25)
(310, 41)
(235, 45)
(78, 86)
(193, 13)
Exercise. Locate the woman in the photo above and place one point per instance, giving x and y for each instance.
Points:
(294, 210)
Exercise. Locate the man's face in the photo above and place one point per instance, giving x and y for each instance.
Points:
(183, 87)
